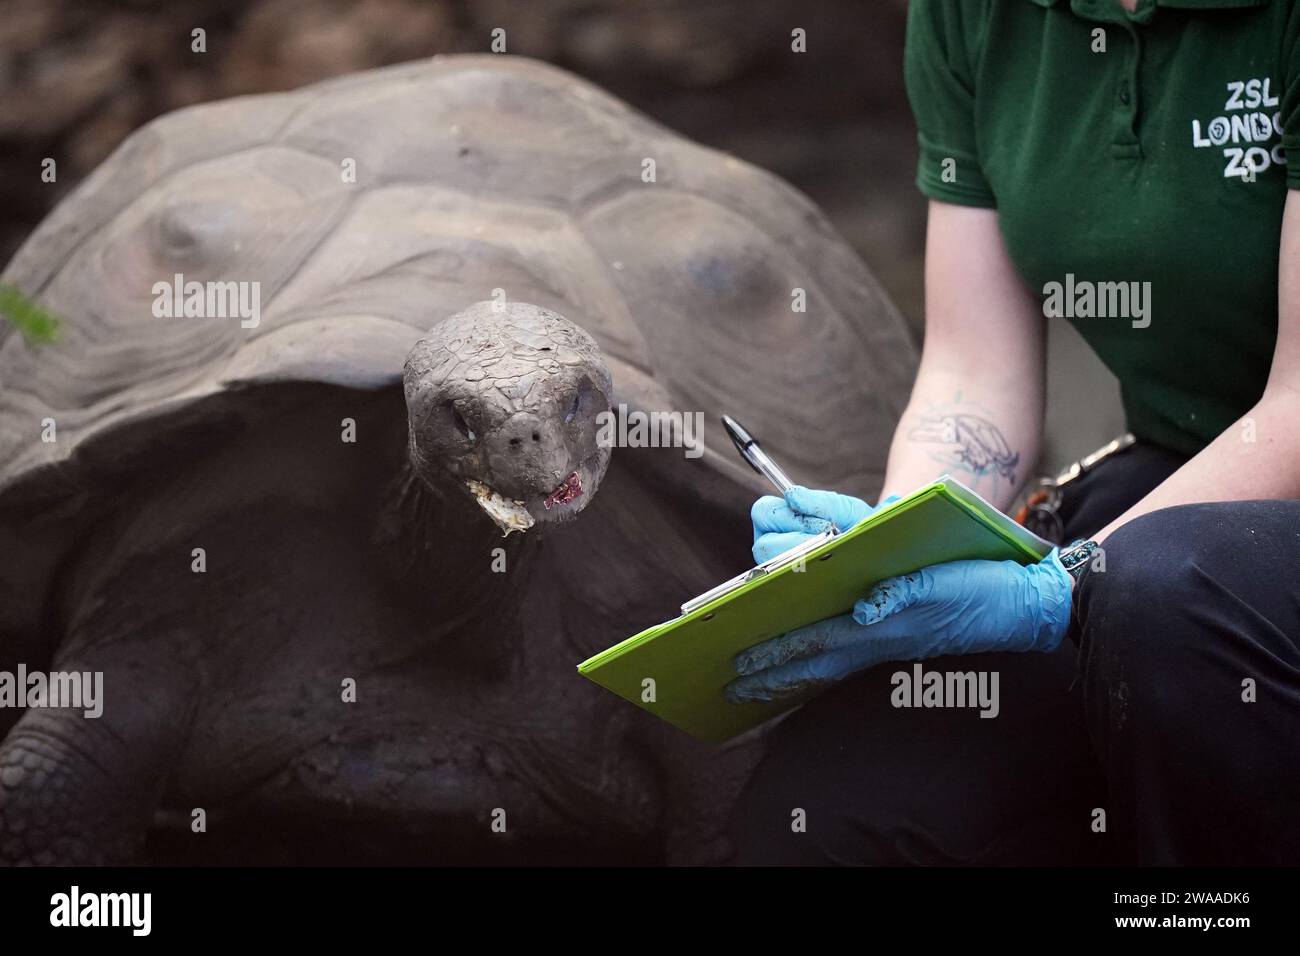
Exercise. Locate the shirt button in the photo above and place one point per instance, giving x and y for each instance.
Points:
(1123, 92)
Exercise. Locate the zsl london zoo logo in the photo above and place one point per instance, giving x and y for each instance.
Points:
(1251, 118)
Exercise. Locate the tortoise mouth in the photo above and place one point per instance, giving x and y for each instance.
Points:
(571, 495)
(561, 503)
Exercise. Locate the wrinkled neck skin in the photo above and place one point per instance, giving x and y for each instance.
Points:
(439, 543)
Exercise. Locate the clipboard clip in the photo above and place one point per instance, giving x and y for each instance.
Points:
(761, 570)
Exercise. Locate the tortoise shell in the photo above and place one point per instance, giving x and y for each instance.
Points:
(370, 207)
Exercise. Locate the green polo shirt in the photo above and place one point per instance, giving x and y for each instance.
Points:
(1127, 153)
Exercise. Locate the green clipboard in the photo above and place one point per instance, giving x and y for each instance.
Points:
(689, 658)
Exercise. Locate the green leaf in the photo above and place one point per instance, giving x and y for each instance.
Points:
(36, 325)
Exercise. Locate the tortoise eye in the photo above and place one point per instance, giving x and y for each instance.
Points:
(458, 420)
(584, 388)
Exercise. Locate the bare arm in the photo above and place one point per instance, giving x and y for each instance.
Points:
(1258, 456)
(976, 410)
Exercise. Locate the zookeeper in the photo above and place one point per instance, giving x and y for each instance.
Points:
(1121, 164)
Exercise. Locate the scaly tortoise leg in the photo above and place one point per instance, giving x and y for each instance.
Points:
(79, 790)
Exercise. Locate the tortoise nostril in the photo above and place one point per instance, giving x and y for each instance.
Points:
(514, 442)
(536, 437)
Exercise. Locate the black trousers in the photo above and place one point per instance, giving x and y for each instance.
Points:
(1165, 731)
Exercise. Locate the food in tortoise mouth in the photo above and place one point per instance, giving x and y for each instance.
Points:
(567, 490)
(508, 514)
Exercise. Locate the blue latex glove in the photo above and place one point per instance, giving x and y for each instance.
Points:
(782, 523)
(964, 607)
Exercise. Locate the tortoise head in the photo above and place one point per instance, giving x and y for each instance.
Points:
(505, 399)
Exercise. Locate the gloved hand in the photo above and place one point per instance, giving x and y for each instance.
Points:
(963, 607)
(782, 523)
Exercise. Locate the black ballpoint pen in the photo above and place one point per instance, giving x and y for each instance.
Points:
(753, 453)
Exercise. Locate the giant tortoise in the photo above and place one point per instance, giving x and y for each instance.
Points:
(278, 534)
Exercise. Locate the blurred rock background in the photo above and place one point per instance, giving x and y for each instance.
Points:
(77, 76)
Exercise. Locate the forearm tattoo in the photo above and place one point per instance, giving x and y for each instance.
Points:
(967, 443)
